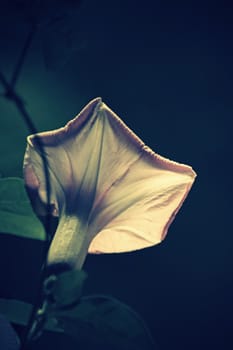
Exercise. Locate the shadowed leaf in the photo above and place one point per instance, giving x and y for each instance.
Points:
(106, 322)
(16, 214)
(8, 337)
(96, 320)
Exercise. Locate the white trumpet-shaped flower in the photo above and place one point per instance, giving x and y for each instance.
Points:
(110, 191)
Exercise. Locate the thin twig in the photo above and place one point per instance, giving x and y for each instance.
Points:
(11, 94)
(15, 98)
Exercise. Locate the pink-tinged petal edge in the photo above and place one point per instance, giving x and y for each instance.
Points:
(52, 138)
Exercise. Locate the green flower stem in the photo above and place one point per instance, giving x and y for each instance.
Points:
(69, 246)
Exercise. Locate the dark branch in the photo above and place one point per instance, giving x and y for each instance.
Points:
(11, 95)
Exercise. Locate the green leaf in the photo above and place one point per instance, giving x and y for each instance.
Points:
(15, 311)
(9, 339)
(19, 312)
(104, 321)
(16, 214)
(96, 320)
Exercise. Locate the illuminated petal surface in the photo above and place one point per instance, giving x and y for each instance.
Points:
(111, 192)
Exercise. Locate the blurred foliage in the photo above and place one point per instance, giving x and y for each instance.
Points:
(111, 324)
(96, 320)
(16, 214)
(9, 339)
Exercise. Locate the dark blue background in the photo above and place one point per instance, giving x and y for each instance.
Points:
(166, 68)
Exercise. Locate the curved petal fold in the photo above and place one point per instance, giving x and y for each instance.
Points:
(123, 193)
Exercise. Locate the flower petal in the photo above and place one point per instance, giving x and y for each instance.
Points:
(138, 214)
(104, 174)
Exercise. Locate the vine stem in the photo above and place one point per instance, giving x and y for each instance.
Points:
(10, 94)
